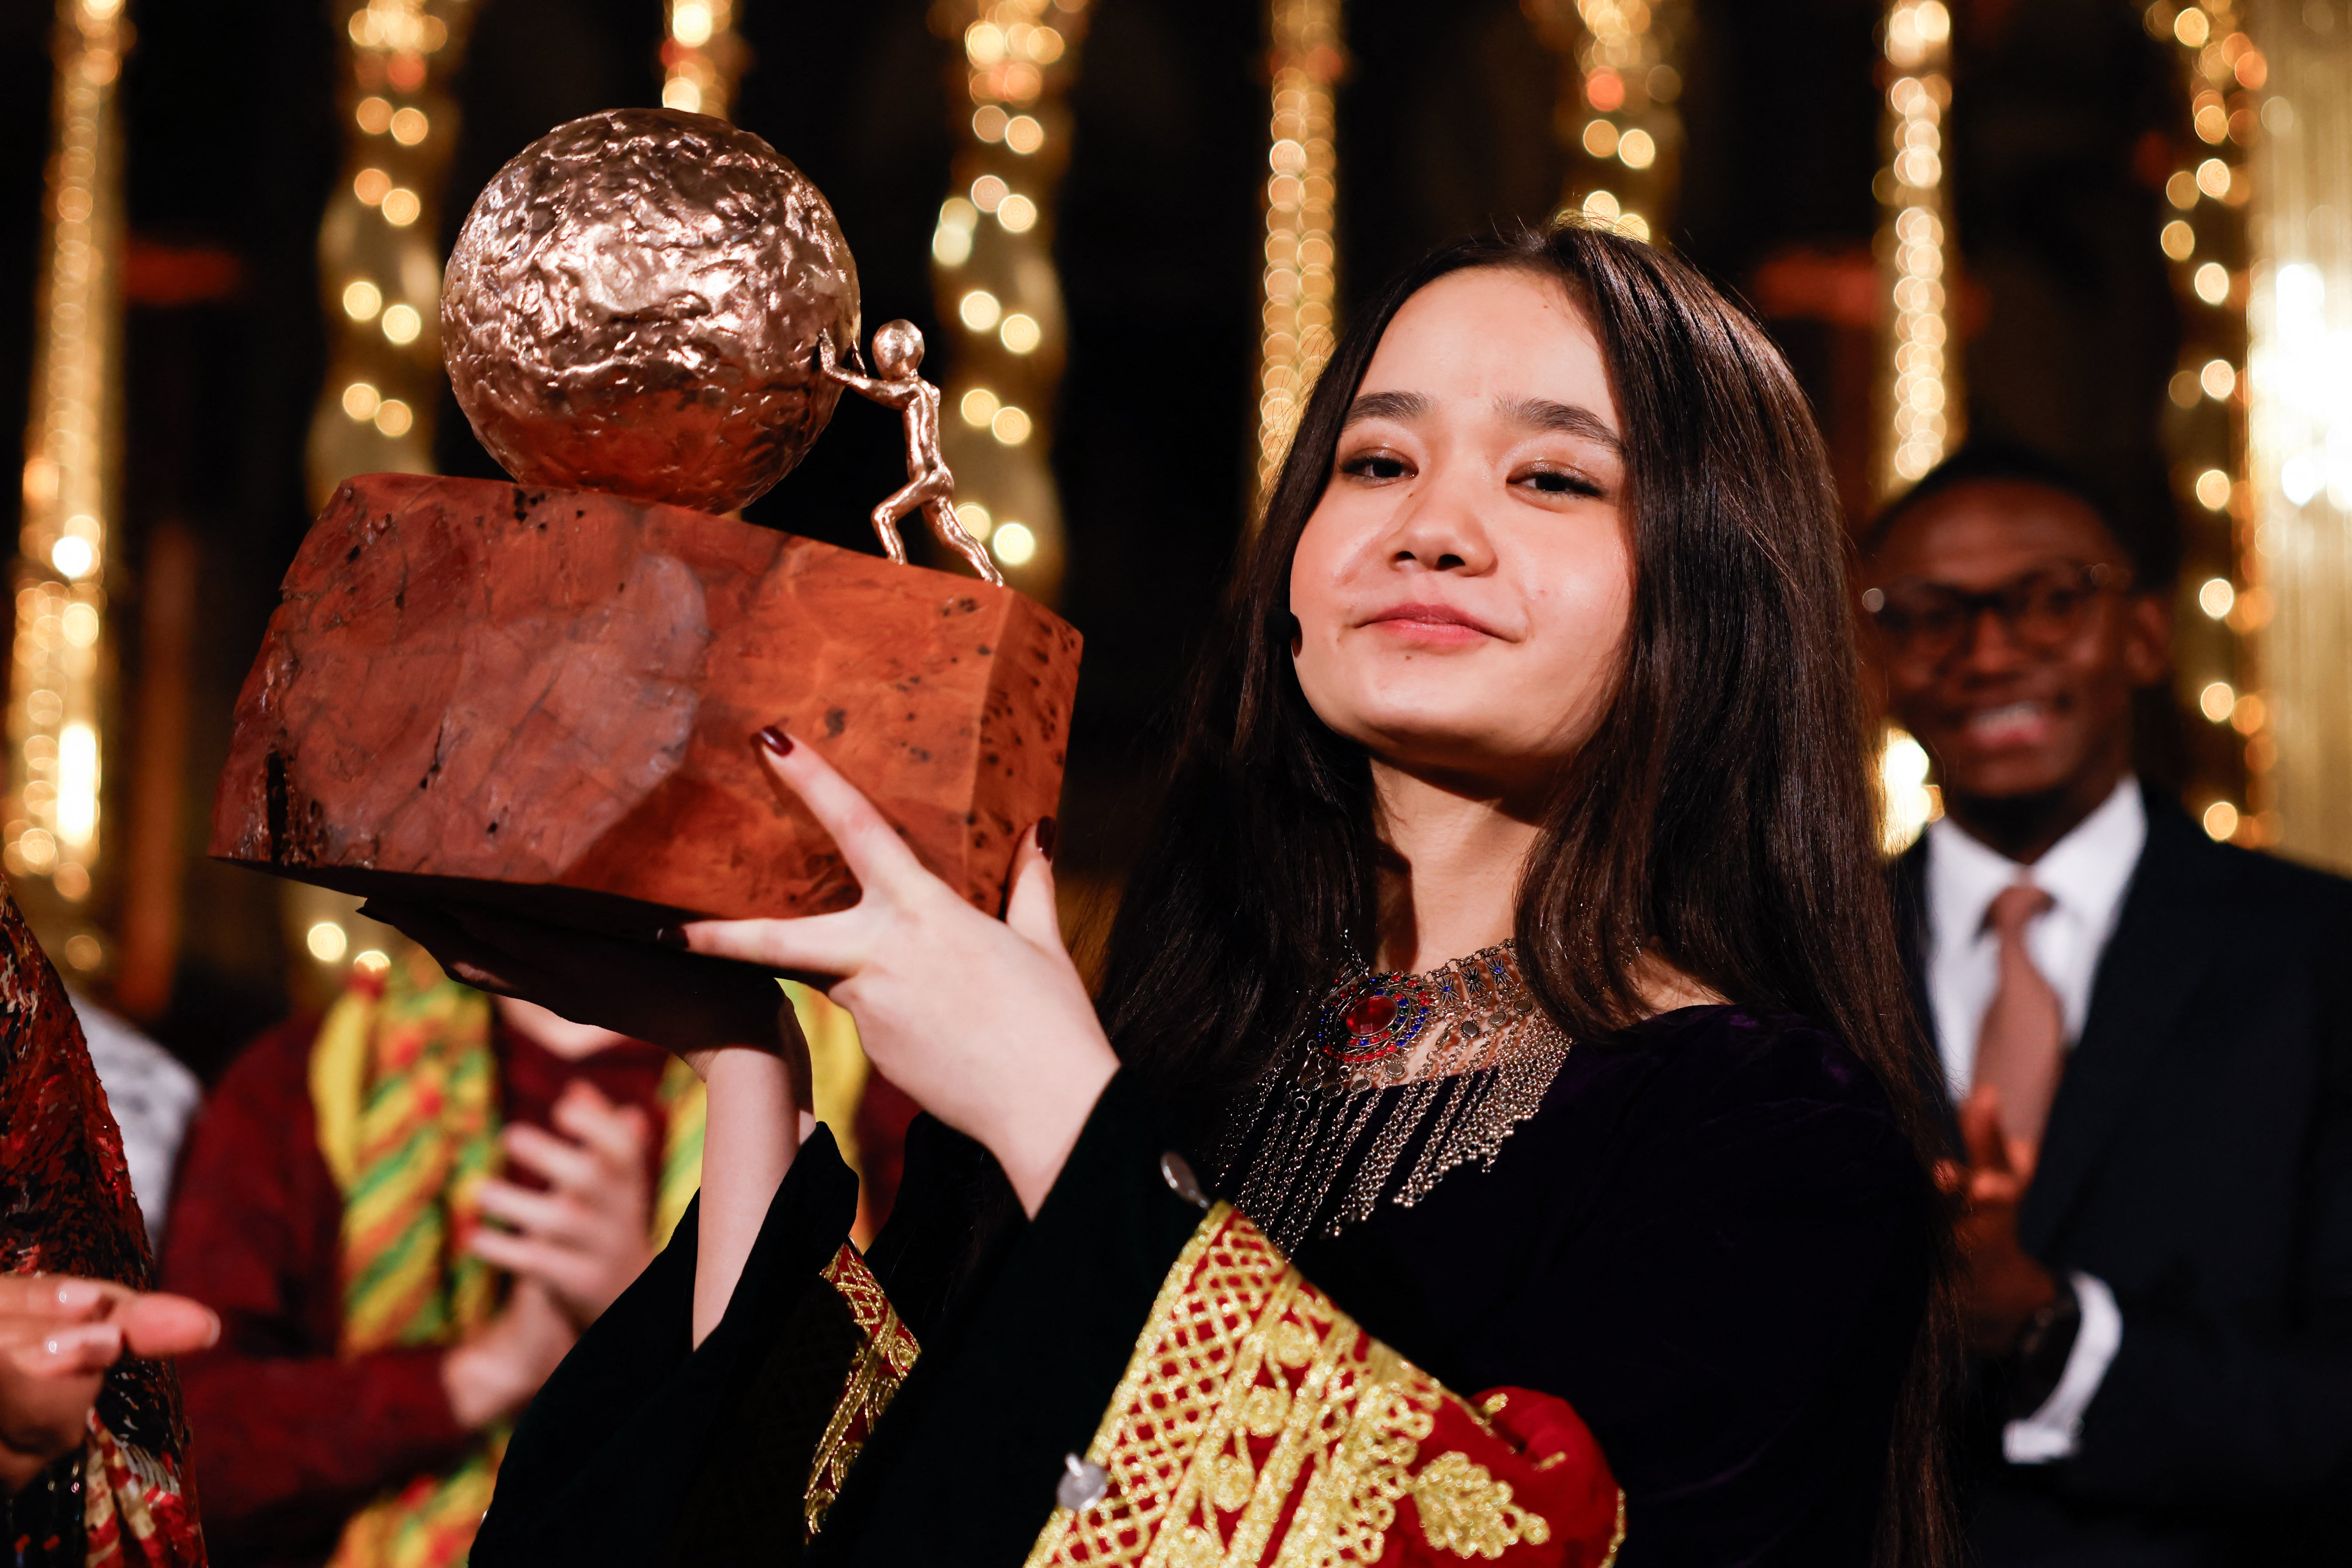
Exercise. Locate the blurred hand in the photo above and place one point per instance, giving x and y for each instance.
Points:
(2004, 1286)
(58, 1336)
(730, 1022)
(586, 1236)
(985, 1023)
(494, 1373)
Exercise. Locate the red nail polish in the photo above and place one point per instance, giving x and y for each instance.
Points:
(774, 739)
(670, 936)
(1048, 831)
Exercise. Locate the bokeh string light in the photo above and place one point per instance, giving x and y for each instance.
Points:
(2201, 230)
(1616, 114)
(702, 56)
(380, 283)
(1000, 298)
(1298, 289)
(379, 243)
(72, 473)
(1921, 410)
(2286, 112)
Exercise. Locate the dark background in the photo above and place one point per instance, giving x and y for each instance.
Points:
(2067, 117)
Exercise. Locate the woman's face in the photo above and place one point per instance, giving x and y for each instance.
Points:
(1465, 584)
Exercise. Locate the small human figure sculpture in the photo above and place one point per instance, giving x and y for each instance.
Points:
(929, 488)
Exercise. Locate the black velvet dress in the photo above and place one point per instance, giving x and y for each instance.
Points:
(1712, 1239)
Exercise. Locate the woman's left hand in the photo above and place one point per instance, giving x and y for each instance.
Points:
(985, 1023)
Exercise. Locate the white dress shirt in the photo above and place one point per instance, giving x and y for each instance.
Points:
(2084, 874)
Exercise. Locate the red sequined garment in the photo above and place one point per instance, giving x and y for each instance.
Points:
(66, 1208)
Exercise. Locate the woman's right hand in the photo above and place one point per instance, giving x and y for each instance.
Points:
(985, 1022)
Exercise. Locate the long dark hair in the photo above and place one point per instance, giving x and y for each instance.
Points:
(1721, 816)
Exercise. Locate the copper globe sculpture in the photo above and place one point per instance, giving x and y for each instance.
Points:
(636, 303)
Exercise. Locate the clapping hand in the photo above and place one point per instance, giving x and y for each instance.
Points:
(588, 1235)
(494, 1370)
(730, 1022)
(58, 1336)
(2004, 1286)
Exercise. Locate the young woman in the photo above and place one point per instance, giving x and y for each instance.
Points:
(1514, 954)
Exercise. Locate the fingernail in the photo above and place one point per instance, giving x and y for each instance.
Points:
(77, 1342)
(79, 1295)
(774, 739)
(1048, 831)
(671, 936)
(212, 1334)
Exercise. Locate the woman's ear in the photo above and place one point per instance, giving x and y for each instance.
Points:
(1298, 634)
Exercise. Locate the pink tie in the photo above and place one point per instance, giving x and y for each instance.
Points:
(2025, 1030)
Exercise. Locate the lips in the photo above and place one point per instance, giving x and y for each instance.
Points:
(1436, 622)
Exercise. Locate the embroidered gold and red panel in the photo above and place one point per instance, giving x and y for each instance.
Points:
(875, 1373)
(1257, 1425)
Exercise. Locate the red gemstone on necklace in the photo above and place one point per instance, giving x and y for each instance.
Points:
(1371, 1014)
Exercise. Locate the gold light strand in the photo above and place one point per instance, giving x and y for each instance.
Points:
(1920, 402)
(379, 250)
(2294, 539)
(72, 461)
(702, 56)
(379, 281)
(1616, 112)
(1918, 396)
(993, 270)
(2204, 236)
(1300, 282)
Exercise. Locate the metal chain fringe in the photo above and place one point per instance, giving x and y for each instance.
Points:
(1289, 1149)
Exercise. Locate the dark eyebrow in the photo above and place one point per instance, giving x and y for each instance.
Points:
(1568, 418)
(1399, 405)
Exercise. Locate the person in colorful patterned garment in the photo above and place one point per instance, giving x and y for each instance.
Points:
(1514, 961)
(93, 1452)
(380, 1336)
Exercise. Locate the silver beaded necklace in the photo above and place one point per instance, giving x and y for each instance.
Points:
(1441, 1067)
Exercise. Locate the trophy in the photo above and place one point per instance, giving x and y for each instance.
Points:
(541, 695)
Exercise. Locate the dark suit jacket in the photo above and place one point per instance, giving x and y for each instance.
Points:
(2199, 1160)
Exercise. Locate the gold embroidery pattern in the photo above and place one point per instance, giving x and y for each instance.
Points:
(874, 1378)
(876, 1319)
(1249, 1391)
(1466, 1511)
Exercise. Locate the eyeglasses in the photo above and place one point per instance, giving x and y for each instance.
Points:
(2042, 610)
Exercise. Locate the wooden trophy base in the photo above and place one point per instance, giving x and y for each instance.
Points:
(545, 699)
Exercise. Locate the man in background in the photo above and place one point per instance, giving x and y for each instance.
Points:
(2147, 1041)
(404, 1214)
